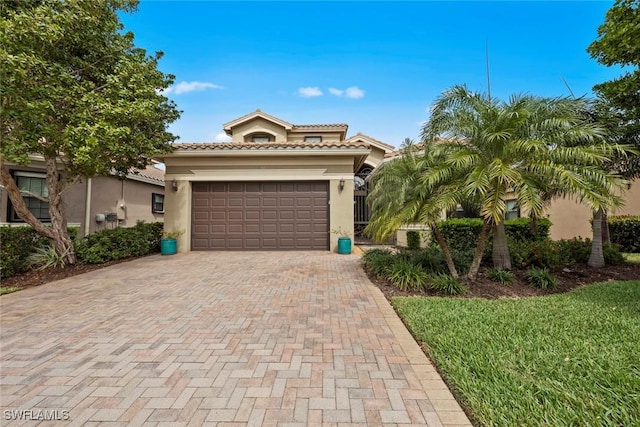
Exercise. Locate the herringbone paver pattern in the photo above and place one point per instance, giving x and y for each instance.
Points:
(213, 338)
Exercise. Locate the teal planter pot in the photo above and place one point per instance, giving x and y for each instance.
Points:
(168, 246)
(344, 245)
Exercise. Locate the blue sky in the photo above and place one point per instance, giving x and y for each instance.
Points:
(374, 65)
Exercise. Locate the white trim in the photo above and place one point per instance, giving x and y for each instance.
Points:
(201, 175)
(30, 174)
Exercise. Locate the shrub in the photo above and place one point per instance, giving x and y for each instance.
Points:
(625, 231)
(500, 276)
(574, 250)
(413, 240)
(45, 257)
(612, 254)
(462, 233)
(462, 259)
(108, 245)
(377, 261)
(431, 259)
(446, 284)
(541, 278)
(16, 244)
(405, 275)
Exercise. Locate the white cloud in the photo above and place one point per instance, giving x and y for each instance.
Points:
(354, 92)
(222, 137)
(185, 87)
(336, 92)
(309, 92)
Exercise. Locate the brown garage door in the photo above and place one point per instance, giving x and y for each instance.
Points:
(260, 215)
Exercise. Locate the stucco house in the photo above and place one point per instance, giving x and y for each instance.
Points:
(275, 186)
(94, 204)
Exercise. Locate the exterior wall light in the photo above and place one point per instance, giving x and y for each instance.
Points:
(341, 184)
(174, 185)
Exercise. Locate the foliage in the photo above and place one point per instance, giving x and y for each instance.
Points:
(430, 259)
(541, 278)
(625, 231)
(8, 289)
(574, 250)
(566, 359)
(107, 245)
(536, 148)
(446, 284)
(462, 233)
(612, 254)
(46, 257)
(500, 276)
(633, 258)
(77, 91)
(406, 275)
(377, 261)
(172, 234)
(413, 239)
(17, 244)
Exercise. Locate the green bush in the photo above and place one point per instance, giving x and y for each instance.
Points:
(446, 284)
(405, 275)
(574, 250)
(108, 245)
(462, 259)
(45, 257)
(377, 261)
(413, 240)
(16, 244)
(612, 254)
(541, 278)
(625, 231)
(462, 233)
(500, 276)
(430, 259)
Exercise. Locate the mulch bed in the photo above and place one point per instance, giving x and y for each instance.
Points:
(568, 279)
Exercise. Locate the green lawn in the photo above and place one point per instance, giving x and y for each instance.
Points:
(8, 289)
(570, 359)
(635, 258)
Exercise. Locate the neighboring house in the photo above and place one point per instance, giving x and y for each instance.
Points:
(275, 186)
(95, 204)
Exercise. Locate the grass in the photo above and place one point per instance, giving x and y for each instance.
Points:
(567, 359)
(635, 258)
(8, 289)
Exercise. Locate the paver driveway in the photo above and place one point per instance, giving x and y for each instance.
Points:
(214, 338)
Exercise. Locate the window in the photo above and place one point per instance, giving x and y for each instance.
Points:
(32, 184)
(312, 139)
(157, 203)
(260, 138)
(513, 210)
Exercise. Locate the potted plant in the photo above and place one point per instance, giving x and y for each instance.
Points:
(169, 242)
(344, 240)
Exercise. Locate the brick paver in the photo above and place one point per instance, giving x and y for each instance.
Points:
(213, 338)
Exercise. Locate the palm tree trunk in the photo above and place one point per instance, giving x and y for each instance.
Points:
(477, 256)
(606, 237)
(446, 252)
(500, 252)
(596, 259)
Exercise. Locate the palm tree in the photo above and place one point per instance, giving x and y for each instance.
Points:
(527, 146)
(398, 197)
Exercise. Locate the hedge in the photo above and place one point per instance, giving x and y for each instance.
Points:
(108, 245)
(462, 233)
(625, 231)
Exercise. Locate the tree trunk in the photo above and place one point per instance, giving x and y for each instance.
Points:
(606, 237)
(444, 246)
(477, 256)
(500, 253)
(57, 234)
(596, 259)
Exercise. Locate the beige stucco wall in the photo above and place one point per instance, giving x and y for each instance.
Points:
(243, 131)
(186, 170)
(570, 219)
(375, 157)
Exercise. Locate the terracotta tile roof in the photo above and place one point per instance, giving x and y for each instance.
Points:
(257, 113)
(150, 172)
(364, 137)
(322, 126)
(266, 145)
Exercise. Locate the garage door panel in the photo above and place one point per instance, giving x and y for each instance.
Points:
(255, 215)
